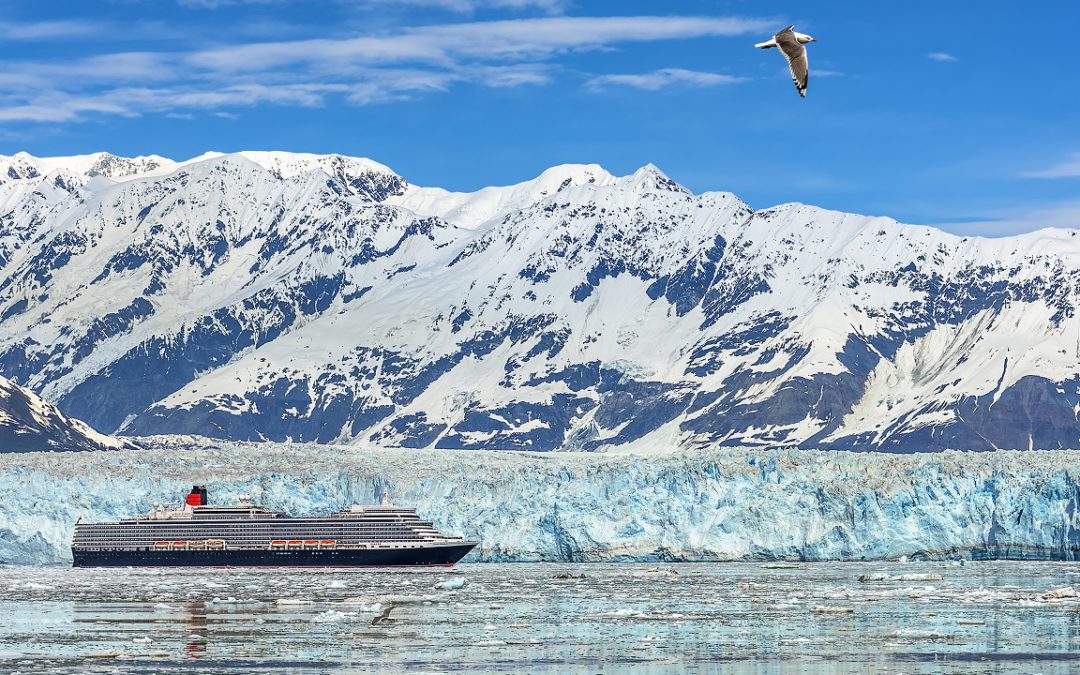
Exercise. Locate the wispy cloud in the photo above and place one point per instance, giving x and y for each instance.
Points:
(1061, 215)
(942, 57)
(459, 6)
(472, 6)
(513, 39)
(46, 30)
(664, 78)
(1070, 168)
(365, 69)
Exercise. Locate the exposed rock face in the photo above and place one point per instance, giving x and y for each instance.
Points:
(272, 296)
(29, 424)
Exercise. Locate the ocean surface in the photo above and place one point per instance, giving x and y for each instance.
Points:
(628, 618)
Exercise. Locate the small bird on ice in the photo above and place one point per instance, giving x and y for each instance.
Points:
(792, 46)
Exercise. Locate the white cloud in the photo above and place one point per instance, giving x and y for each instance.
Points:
(1070, 168)
(361, 70)
(1062, 215)
(460, 6)
(471, 6)
(513, 39)
(941, 56)
(46, 30)
(663, 78)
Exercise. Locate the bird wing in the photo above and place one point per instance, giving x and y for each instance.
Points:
(795, 53)
(789, 29)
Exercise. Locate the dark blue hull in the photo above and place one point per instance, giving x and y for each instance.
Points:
(444, 555)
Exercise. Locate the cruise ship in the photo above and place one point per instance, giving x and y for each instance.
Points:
(199, 534)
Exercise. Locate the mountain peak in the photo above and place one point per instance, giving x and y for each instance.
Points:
(650, 177)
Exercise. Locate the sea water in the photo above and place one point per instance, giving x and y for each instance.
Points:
(627, 618)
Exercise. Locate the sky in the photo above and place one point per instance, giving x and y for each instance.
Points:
(956, 114)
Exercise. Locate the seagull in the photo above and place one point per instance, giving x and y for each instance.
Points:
(791, 45)
(385, 616)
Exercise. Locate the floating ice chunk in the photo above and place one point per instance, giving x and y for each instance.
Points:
(232, 601)
(831, 609)
(876, 576)
(913, 634)
(294, 601)
(362, 604)
(333, 616)
(337, 583)
(141, 640)
(1063, 593)
(450, 585)
(916, 576)
(407, 599)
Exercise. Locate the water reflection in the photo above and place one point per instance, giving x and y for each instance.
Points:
(195, 625)
(545, 618)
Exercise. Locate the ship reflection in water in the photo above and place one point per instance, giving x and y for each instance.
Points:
(195, 624)
(631, 618)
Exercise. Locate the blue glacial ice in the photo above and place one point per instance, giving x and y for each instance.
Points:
(724, 504)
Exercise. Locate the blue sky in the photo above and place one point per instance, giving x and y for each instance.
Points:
(951, 113)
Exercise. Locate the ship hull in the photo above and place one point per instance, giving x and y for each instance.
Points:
(446, 555)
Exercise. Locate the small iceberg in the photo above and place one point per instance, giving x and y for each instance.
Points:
(1063, 593)
(333, 616)
(231, 601)
(450, 585)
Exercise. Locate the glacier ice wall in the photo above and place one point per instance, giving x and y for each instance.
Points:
(724, 504)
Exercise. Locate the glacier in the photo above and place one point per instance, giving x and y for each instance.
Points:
(719, 504)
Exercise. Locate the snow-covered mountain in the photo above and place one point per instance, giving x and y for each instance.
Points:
(282, 296)
(29, 424)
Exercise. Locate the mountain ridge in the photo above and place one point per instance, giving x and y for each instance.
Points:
(318, 297)
(29, 424)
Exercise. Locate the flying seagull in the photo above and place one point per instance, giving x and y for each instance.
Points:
(385, 616)
(791, 45)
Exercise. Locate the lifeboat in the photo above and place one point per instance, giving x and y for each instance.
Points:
(295, 542)
(161, 544)
(215, 543)
(311, 542)
(328, 543)
(179, 544)
(278, 542)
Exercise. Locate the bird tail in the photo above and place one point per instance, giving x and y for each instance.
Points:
(766, 45)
